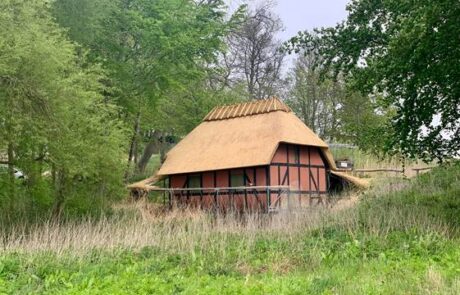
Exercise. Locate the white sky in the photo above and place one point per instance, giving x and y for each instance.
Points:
(300, 15)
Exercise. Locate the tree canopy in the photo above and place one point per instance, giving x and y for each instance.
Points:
(52, 111)
(83, 84)
(408, 53)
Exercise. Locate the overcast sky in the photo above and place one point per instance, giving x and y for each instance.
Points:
(300, 15)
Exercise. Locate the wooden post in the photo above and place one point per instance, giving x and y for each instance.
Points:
(268, 199)
(231, 200)
(201, 199)
(289, 198)
(164, 192)
(245, 176)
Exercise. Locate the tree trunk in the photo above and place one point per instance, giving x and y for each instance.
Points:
(58, 205)
(147, 154)
(136, 149)
(132, 145)
(12, 185)
(156, 143)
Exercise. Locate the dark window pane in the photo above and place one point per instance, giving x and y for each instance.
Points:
(236, 179)
(194, 181)
(297, 155)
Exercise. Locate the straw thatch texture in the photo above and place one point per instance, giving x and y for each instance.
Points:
(238, 142)
(246, 109)
(358, 182)
(146, 184)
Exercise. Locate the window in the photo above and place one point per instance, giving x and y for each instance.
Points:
(297, 155)
(194, 181)
(236, 179)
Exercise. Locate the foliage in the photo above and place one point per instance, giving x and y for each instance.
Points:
(346, 265)
(151, 47)
(156, 53)
(185, 110)
(334, 111)
(65, 104)
(364, 123)
(317, 102)
(53, 115)
(404, 51)
(84, 19)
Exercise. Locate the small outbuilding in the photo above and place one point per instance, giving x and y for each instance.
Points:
(255, 155)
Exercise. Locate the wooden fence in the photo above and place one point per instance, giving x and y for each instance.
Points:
(394, 170)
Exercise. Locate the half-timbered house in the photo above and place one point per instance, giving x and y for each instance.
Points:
(256, 155)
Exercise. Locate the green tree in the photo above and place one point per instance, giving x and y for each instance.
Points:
(332, 110)
(185, 110)
(52, 113)
(364, 123)
(152, 50)
(407, 52)
(315, 100)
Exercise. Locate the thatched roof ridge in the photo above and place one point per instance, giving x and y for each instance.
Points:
(250, 108)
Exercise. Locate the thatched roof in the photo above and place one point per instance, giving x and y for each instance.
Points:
(146, 184)
(356, 181)
(242, 135)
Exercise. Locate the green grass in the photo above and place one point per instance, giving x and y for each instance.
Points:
(401, 265)
(402, 238)
(347, 266)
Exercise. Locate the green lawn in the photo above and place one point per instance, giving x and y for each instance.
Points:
(408, 265)
(396, 241)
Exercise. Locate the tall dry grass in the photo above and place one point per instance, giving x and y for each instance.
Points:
(422, 206)
(365, 160)
(144, 224)
(178, 230)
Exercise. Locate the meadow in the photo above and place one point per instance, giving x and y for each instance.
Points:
(402, 237)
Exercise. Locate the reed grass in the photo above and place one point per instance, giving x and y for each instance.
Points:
(144, 224)
(400, 237)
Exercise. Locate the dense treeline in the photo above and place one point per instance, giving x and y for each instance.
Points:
(407, 54)
(80, 82)
(90, 90)
(57, 126)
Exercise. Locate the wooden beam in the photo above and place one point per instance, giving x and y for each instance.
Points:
(380, 170)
